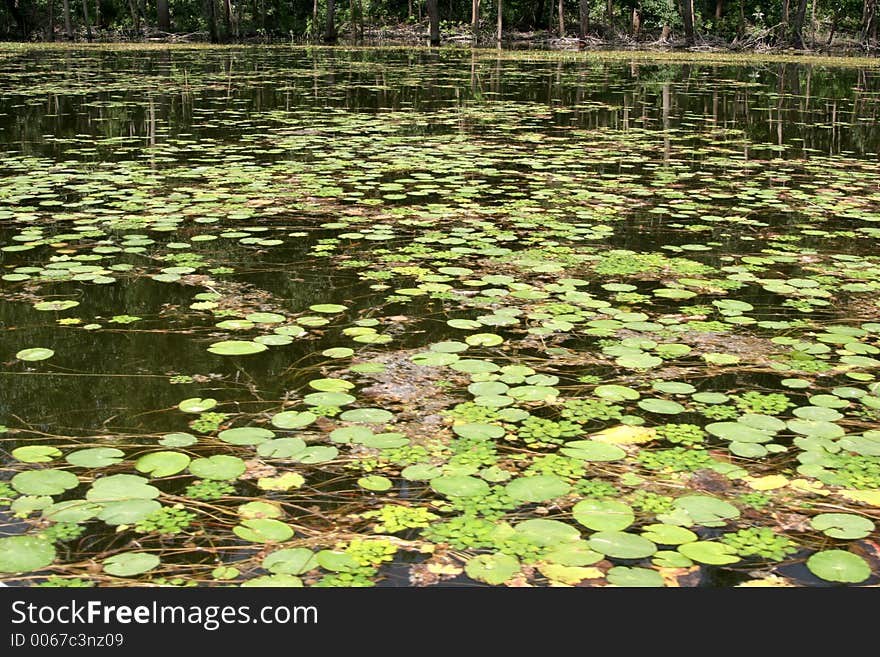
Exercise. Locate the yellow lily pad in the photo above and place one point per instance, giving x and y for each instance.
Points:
(625, 435)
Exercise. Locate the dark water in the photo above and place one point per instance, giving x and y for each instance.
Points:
(134, 161)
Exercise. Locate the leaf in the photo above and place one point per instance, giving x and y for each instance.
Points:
(492, 569)
(706, 510)
(635, 577)
(246, 435)
(539, 488)
(460, 486)
(479, 431)
(294, 561)
(95, 457)
(593, 451)
(339, 562)
(236, 348)
(547, 533)
(625, 435)
(263, 530)
(197, 404)
(842, 525)
(569, 575)
(121, 487)
(708, 552)
(44, 482)
(283, 448)
(218, 467)
(285, 481)
(36, 453)
(603, 515)
(573, 553)
(839, 566)
(367, 415)
(375, 483)
(25, 554)
(34, 354)
(668, 534)
(130, 563)
(162, 464)
(127, 512)
(293, 419)
(622, 545)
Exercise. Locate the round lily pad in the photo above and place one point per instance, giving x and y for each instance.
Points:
(621, 545)
(162, 464)
(35, 354)
(603, 515)
(538, 488)
(842, 525)
(460, 486)
(839, 566)
(236, 348)
(25, 554)
(130, 563)
(218, 467)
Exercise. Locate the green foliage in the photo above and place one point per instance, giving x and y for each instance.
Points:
(651, 502)
(761, 542)
(584, 411)
(208, 422)
(63, 531)
(540, 432)
(596, 488)
(393, 518)
(753, 401)
(208, 490)
(675, 459)
(681, 434)
(167, 520)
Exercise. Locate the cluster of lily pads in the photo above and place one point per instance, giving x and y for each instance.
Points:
(510, 353)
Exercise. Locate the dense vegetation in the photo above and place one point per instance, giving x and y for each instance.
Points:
(795, 23)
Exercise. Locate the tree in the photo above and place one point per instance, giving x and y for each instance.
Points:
(584, 24)
(500, 22)
(50, 32)
(211, 17)
(434, 21)
(68, 24)
(687, 17)
(330, 31)
(475, 19)
(561, 20)
(163, 15)
(797, 25)
(869, 19)
(86, 19)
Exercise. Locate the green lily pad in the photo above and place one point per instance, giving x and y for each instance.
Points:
(44, 482)
(36, 453)
(635, 577)
(460, 486)
(709, 552)
(246, 435)
(218, 467)
(283, 448)
(375, 483)
(538, 488)
(34, 354)
(839, 566)
(603, 515)
(130, 563)
(367, 415)
(842, 525)
(293, 419)
(263, 530)
(293, 561)
(236, 348)
(25, 554)
(621, 545)
(492, 569)
(162, 464)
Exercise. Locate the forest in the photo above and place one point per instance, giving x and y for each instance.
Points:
(738, 24)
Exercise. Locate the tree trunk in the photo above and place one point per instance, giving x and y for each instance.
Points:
(500, 22)
(609, 15)
(315, 16)
(68, 24)
(330, 31)
(135, 16)
(86, 19)
(636, 23)
(561, 20)
(164, 16)
(211, 15)
(797, 25)
(475, 19)
(584, 23)
(434, 21)
(227, 18)
(869, 19)
(50, 33)
(687, 17)
(719, 9)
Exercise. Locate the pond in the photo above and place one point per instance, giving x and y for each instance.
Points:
(295, 316)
